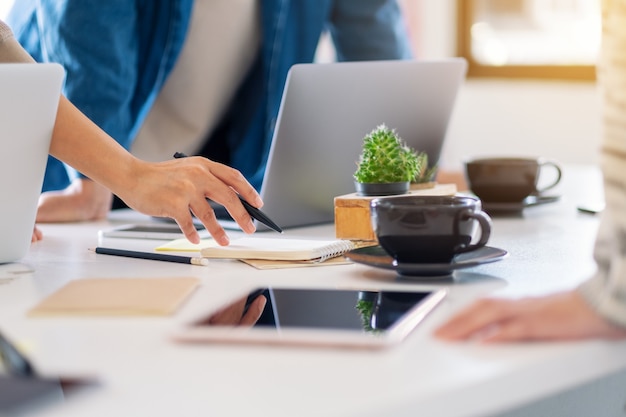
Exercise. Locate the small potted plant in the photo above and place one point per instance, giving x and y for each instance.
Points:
(388, 166)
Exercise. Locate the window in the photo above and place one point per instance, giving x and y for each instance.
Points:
(530, 38)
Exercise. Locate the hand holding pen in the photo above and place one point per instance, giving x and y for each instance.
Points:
(254, 212)
(183, 195)
(178, 189)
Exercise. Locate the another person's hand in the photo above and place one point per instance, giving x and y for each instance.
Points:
(563, 316)
(83, 200)
(236, 314)
(179, 187)
(37, 235)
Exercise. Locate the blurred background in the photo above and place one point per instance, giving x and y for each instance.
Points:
(531, 88)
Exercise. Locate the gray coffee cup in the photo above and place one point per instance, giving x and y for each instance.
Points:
(428, 229)
(509, 179)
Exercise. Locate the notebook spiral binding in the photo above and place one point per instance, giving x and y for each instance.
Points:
(335, 249)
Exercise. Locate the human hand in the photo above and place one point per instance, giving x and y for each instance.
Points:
(563, 316)
(179, 188)
(37, 235)
(83, 200)
(237, 314)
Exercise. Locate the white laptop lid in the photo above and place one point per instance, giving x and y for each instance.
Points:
(29, 96)
(326, 111)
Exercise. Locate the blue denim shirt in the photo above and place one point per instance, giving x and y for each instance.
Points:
(118, 53)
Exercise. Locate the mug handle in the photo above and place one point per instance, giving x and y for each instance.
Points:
(484, 221)
(556, 166)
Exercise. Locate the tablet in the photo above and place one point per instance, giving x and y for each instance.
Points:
(315, 317)
(159, 231)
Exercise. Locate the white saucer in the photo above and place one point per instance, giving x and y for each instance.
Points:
(377, 257)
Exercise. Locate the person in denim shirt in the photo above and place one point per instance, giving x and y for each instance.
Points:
(118, 54)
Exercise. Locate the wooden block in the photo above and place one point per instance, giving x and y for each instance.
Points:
(352, 211)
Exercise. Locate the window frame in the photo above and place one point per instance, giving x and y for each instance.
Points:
(465, 15)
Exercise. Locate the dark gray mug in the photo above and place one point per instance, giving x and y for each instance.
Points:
(428, 229)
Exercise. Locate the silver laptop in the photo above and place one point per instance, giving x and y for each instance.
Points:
(325, 112)
(28, 105)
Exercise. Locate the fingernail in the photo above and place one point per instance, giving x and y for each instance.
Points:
(195, 238)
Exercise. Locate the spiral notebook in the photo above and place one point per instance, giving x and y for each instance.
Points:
(279, 249)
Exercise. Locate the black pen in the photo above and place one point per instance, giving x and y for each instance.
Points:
(153, 256)
(254, 212)
(15, 363)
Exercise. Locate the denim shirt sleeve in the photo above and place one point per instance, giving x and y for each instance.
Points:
(117, 54)
(96, 42)
(369, 30)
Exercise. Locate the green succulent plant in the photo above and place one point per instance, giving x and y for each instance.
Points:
(386, 159)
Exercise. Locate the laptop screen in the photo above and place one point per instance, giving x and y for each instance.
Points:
(327, 110)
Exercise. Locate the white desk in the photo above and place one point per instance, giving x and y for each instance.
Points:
(143, 373)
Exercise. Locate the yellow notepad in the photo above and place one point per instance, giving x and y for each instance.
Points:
(183, 245)
(118, 297)
(280, 249)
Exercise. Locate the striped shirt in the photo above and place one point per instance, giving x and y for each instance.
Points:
(606, 290)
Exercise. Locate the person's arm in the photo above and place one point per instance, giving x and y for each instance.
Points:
(606, 291)
(563, 316)
(597, 309)
(105, 47)
(84, 199)
(369, 30)
(74, 197)
(167, 189)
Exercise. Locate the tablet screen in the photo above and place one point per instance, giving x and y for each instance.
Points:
(319, 316)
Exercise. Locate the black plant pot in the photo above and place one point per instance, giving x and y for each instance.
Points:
(381, 189)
